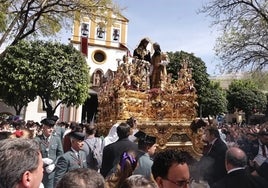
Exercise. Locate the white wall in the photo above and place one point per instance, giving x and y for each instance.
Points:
(111, 61)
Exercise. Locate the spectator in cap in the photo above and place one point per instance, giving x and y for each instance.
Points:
(51, 149)
(75, 127)
(72, 159)
(147, 147)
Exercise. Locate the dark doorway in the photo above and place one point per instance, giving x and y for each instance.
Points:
(90, 108)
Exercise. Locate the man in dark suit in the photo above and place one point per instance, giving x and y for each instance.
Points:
(237, 175)
(51, 149)
(212, 163)
(112, 152)
(72, 159)
(262, 170)
(262, 152)
(250, 145)
(257, 150)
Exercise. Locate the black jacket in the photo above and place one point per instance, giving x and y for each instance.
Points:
(113, 152)
(240, 178)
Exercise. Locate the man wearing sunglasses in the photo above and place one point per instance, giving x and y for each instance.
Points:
(171, 170)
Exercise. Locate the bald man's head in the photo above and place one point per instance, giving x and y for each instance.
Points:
(236, 157)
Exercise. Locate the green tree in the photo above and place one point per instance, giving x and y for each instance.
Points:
(55, 72)
(243, 43)
(16, 80)
(244, 95)
(202, 83)
(215, 101)
(23, 18)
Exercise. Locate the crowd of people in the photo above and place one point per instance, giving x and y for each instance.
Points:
(76, 156)
(53, 154)
(74, 149)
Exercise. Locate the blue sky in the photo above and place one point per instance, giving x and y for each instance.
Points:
(175, 25)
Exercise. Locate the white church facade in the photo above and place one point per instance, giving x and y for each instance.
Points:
(104, 45)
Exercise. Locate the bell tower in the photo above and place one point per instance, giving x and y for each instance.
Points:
(103, 42)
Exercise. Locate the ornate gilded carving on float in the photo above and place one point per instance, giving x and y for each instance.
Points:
(164, 112)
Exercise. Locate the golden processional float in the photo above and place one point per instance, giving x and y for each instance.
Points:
(164, 112)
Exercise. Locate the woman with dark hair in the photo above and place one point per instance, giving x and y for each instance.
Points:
(123, 170)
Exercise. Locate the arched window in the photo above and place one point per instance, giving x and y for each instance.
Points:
(97, 78)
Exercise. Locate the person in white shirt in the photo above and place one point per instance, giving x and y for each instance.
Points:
(112, 136)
